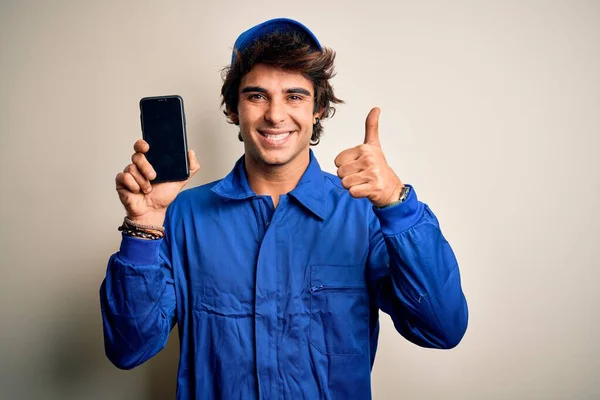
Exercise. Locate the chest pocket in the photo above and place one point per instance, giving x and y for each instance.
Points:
(339, 309)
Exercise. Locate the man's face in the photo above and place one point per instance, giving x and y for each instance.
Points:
(275, 112)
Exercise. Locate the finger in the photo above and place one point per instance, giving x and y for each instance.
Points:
(355, 180)
(347, 156)
(125, 181)
(143, 165)
(141, 180)
(351, 167)
(194, 164)
(141, 146)
(360, 191)
(372, 127)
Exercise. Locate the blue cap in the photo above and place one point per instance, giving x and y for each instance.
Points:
(278, 24)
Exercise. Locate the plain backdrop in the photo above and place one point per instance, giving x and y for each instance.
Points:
(491, 109)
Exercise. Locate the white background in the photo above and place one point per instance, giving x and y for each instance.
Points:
(491, 109)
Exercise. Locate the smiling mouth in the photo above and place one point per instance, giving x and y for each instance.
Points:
(275, 137)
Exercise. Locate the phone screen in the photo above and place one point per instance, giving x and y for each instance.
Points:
(163, 127)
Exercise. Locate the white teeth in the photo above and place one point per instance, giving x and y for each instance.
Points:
(278, 137)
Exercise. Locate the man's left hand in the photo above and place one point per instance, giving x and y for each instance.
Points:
(364, 170)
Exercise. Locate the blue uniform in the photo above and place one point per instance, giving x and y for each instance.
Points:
(281, 303)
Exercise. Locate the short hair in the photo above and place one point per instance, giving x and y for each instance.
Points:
(289, 51)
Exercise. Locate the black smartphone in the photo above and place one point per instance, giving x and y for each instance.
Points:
(163, 127)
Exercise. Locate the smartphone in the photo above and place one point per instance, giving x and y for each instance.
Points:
(163, 127)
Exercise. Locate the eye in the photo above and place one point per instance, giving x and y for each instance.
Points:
(295, 98)
(256, 96)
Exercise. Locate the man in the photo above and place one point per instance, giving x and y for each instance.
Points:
(275, 274)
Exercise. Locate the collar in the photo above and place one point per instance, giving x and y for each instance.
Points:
(310, 191)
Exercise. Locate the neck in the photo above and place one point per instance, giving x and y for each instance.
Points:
(275, 180)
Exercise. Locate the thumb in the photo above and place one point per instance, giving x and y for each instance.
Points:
(194, 164)
(372, 127)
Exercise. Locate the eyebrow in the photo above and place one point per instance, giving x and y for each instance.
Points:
(258, 89)
(299, 91)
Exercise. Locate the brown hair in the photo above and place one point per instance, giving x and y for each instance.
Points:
(289, 51)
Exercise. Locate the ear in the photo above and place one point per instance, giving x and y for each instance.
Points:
(234, 118)
(317, 116)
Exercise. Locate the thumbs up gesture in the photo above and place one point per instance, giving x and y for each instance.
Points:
(364, 170)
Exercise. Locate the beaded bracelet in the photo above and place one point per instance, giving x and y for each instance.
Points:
(140, 234)
(134, 229)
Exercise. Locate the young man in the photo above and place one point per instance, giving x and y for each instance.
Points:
(275, 274)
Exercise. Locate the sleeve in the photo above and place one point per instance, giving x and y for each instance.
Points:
(414, 275)
(137, 300)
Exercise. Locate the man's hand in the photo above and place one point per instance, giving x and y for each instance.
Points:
(364, 170)
(146, 202)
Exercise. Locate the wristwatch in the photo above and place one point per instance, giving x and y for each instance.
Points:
(403, 196)
(404, 193)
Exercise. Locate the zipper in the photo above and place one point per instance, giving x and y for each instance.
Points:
(316, 288)
(319, 287)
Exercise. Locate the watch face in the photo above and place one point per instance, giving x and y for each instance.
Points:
(404, 193)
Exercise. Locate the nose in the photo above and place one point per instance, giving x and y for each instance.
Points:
(275, 113)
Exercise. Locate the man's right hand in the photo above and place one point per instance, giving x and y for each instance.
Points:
(144, 202)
